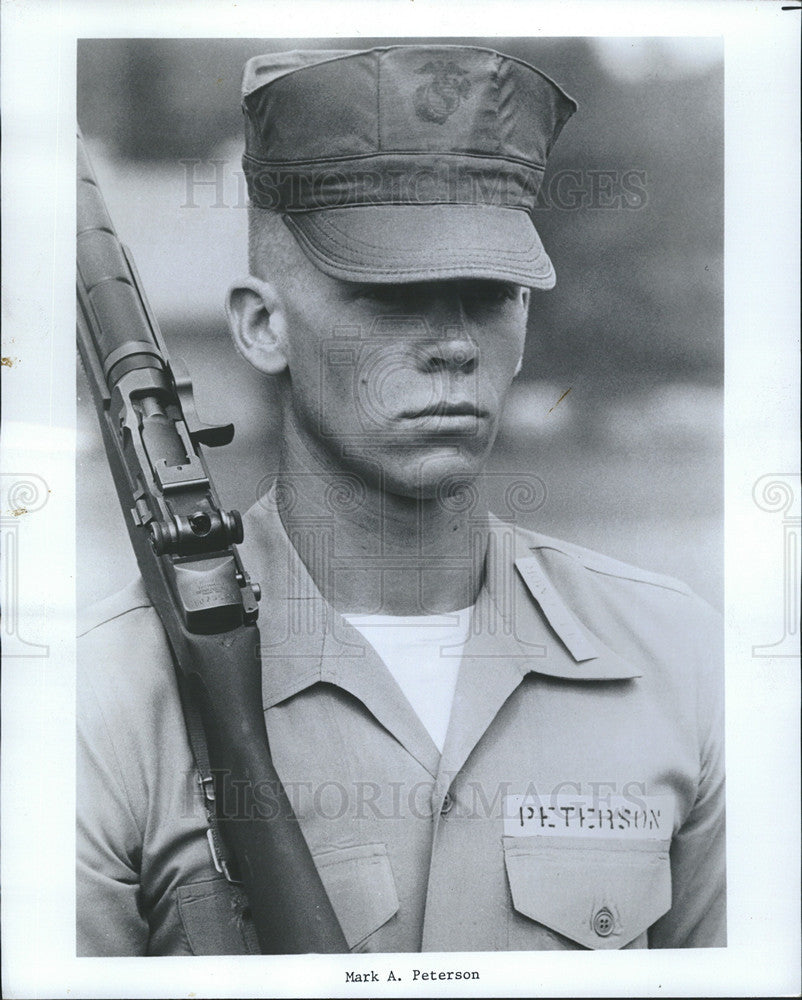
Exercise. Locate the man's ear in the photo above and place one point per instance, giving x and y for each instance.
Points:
(525, 297)
(257, 324)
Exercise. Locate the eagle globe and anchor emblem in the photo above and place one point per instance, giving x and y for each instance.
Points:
(438, 99)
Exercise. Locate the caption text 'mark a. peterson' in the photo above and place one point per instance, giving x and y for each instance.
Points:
(418, 975)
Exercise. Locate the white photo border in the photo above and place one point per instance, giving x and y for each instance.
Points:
(762, 390)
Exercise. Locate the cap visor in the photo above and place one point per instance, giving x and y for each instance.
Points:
(402, 243)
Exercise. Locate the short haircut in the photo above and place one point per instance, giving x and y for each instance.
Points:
(271, 247)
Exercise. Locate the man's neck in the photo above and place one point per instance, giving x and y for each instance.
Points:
(373, 552)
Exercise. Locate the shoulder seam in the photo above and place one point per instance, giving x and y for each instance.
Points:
(666, 583)
(633, 573)
(111, 618)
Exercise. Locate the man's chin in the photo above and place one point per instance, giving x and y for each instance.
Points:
(444, 476)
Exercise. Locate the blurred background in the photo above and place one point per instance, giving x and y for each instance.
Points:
(618, 411)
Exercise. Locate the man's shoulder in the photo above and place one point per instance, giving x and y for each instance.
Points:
(571, 558)
(648, 618)
(612, 594)
(117, 607)
(121, 644)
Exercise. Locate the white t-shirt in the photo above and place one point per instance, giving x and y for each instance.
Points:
(423, 653)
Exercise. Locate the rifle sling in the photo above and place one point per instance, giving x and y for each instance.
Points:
(220, 856)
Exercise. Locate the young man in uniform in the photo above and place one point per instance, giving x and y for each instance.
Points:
(492, 740)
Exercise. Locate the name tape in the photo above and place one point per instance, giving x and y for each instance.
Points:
(647, 817)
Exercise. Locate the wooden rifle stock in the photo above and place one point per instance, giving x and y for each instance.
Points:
(185, 545)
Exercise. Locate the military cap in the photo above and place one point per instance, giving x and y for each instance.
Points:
(404, 163)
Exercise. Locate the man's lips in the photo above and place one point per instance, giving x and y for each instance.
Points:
(444, 409)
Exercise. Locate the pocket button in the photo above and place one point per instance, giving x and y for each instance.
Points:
(603, 922)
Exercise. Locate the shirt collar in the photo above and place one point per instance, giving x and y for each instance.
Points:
(531, 618)
(304, 641)
(520, 619)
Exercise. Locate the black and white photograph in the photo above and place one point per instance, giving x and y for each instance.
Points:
(402, 601)
(492, 737)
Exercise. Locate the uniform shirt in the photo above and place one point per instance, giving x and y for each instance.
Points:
(582, 677)
(423, 654)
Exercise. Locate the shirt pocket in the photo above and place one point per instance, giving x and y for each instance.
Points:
(216, 919)
(359, 882)
(601, 895)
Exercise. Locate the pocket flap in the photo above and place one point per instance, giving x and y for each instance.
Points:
(600, 896)
(359, 882)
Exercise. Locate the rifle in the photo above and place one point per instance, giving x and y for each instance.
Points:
(185, 545)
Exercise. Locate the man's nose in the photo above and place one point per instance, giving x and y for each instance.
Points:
(455, 353)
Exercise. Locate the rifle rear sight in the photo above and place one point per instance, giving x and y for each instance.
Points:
(201, 531)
